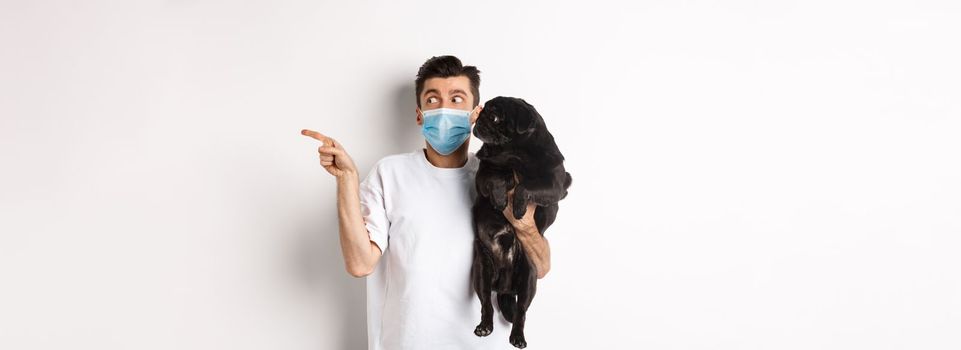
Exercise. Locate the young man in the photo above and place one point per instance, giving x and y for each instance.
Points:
(413, 210)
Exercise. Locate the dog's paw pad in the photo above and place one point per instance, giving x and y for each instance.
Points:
(519, 213)
(518, 341)
(484, 329)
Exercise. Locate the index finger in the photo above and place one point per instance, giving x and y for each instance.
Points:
(316, 135)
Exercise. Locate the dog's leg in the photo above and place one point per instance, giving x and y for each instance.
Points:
(493, 182)
(519, 205)
(525, 294)
(485, 178)
(505, 181)
(546, 190)
(499, 195)
(507, 303)
(482, 270)
(544, 217)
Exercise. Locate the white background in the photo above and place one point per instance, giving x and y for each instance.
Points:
(746, 174)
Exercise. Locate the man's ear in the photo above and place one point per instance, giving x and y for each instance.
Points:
(420, 116)
(475, 115)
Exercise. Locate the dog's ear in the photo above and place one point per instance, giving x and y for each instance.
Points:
(525, 124)
(528, 122)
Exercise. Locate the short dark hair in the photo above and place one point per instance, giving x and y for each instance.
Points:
(445, 67)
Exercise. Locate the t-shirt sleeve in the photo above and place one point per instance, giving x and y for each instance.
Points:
(373, 208)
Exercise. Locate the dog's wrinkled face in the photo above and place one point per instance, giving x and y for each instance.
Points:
(505, 119)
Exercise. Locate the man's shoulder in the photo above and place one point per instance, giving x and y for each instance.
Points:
(395, 160)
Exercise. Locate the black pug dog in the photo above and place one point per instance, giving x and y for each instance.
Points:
(520, 154)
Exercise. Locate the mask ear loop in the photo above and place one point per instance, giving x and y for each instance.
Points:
(470, 119)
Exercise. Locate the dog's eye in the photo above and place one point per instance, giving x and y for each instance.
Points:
(497, 119)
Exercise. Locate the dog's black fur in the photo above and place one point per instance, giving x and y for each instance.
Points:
(518, 153)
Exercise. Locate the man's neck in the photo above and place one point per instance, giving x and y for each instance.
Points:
(456, 159)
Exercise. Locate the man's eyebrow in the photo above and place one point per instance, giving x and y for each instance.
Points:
(453, 91)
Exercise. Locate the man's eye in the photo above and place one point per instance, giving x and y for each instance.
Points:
(458, 99)
(431, 100)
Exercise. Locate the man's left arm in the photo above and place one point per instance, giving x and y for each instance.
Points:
(535, 244)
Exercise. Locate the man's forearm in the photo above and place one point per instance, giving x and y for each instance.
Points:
(537, 249)
(354, 239)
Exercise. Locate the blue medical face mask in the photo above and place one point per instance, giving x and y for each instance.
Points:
(446, 128)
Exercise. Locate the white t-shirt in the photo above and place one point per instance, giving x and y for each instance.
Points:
(420, 295)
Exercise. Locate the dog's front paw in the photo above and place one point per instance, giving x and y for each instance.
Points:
(519, 205)
(517, 340)
(484, 328)
(499, 202)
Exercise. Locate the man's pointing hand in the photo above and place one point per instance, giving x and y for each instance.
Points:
(333, 157)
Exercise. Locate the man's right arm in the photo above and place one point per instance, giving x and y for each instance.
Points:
(360, 253)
